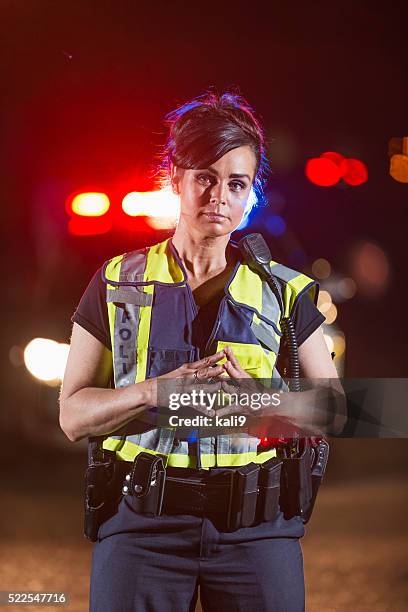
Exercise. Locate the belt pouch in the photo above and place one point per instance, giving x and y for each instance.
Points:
(101, 497)
(269, 489)
(146, 484)
(296, 484)
(243, 496)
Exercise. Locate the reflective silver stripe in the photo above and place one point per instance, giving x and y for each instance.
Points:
(223, 445)
(125, 334)
(270, 305)
(206, 446)
(166, 440)
(139, 298)
(284, 273)
(133, 266)
(270, 309)
(264, 333)
(181, 448)
(160, 440)
(132, 277)
(127, 320)
(235, 444)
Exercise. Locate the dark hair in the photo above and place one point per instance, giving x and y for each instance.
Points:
(209, 126)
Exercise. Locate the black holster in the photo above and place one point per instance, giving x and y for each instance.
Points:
(102, 488)
(107, 480)
(301, 478)
(101, 497)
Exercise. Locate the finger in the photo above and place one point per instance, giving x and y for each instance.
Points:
(207, 361)
(231, 357)
(232, 370)
(229, 367)
(210, 372)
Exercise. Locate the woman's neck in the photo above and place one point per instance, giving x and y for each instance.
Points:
(202, 257)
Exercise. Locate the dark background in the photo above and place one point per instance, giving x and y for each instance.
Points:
(85, 88)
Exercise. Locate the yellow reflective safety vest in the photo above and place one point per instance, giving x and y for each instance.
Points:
(151, 310)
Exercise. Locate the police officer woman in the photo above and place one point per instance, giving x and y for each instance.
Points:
(190, 309)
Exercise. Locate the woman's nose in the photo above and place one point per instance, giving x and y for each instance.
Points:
(217, 194)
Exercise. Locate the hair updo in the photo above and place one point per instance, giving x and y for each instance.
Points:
(209, 126)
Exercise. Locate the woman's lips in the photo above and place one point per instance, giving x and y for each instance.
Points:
(214, 217)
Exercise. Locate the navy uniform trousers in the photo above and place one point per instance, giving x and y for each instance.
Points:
(156, 563)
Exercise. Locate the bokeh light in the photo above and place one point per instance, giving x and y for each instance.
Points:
(335, 157)
(324, 301)
(321, 268)
(249, 209)
(354, 172)
(370, 268)
(161, 223)
(91, 204)
(330, 314)
(89, 226)
(89, 213)
(399, 168)
(322, 172)
(46, 359)
(346, 288)
(163, 203)
(276, 225)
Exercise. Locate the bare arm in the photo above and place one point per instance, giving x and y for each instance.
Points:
(87, 406)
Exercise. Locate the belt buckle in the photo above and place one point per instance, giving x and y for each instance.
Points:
(243, 496)
(146, 482)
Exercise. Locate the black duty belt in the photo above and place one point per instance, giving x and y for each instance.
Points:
(234, 497)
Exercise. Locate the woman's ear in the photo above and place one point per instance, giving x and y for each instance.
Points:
(175, 179)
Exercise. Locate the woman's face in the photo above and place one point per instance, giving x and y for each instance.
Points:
(213, 199)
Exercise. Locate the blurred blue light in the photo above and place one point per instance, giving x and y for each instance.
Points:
(276, 225)
(250, 205)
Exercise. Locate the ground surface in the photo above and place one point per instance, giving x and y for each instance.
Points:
(355, 550)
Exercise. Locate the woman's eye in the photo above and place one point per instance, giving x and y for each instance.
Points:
(205, 179)
(237, 185)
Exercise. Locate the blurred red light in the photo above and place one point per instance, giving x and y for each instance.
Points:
(89, 213)
(335, 157)
(272, 441)
(89, 226)
(353, 171)
(90, 204)
(322, 172)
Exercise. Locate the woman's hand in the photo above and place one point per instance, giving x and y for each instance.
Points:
(190, 378)
(237, 381)
(254, 400)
